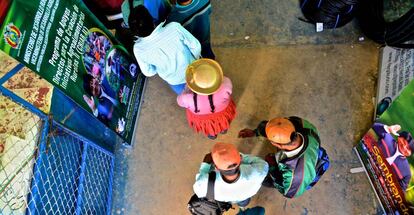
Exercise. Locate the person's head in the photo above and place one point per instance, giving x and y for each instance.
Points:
(227, 160)
(140, 21)
(91, 85)
(405, 143)
(204, 76)
(282, 134)
(184, 2)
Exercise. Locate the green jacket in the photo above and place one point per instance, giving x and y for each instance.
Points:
(291, 176)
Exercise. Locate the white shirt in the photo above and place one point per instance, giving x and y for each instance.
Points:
(167, 51)
(292, 153)
(253, 170)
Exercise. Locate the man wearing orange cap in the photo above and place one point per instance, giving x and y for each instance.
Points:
(299, 163)
(238, 177)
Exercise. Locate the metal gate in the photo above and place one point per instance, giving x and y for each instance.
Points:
(46, 168)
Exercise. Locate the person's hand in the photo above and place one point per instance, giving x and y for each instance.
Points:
(392, 129)
(208, 159)
(90, 102)
(246, 133)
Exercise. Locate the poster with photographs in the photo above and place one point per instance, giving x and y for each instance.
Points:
(65, 44)
(387, 152)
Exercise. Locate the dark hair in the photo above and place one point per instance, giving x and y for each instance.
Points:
(87, 79)
(140, 21)
(182, 1)
(294, 136)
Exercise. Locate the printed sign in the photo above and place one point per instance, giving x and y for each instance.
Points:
(387, 152)
(64, 43)
(396, 71)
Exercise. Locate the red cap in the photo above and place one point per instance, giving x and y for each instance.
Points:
(225, 156)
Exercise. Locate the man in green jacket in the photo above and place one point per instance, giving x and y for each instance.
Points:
(296, 167)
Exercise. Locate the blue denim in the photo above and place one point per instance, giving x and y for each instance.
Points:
(243, 203)
(178, 89)
(253, 211)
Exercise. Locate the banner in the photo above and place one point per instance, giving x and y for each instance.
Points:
(66, 45)
(386, 151)
(396, 71)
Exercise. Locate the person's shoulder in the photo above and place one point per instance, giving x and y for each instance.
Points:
(226, 79)
(202, 2)
(173, 25)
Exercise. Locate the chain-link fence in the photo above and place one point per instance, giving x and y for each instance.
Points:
(47, 169)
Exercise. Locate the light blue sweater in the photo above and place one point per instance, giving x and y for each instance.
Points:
(167, 51)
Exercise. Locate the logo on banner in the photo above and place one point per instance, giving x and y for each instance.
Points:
(12, 35)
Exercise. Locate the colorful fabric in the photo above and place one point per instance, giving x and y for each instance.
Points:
(195, 17)
(292, 175)
(157, 8)
(388, 146)
(167, 51)
(213, 123)
(221, 99)
(252, 172)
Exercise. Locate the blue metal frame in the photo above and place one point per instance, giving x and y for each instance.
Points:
(6, 92)
(34, 195)
(81, 179)
(83, 139)
(109, 203)
(12, 72)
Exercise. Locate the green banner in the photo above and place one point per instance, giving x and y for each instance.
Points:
(64, 43)
(387, 152)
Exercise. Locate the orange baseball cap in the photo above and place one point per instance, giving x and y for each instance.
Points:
(279, 130)
(225, 156)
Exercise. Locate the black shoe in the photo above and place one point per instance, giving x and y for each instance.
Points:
(268, 182)
(212, 137)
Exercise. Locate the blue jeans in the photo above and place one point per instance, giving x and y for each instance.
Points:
(243, 203)
(178, 89)
(206, 51)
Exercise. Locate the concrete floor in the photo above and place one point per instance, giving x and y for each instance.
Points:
(284, 68)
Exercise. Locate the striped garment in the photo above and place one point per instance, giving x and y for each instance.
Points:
(167, 52)
(291, 174)
(195, 17)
